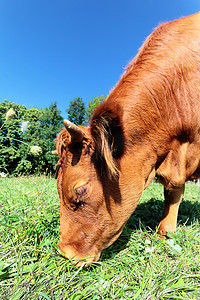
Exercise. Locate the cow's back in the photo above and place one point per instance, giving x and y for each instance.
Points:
(159, 96)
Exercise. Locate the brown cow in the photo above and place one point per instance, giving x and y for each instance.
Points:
(149, 125)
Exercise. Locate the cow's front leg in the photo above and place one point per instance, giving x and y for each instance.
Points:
(172, 201)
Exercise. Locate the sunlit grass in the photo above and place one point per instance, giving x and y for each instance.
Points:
(137, 266)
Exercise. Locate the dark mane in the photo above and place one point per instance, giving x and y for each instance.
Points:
(107, 132)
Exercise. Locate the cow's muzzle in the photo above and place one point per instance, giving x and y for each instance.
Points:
(76, 257)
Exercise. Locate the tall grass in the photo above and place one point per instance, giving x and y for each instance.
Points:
(137, 266)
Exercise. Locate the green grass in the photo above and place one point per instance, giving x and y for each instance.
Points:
(137, 266)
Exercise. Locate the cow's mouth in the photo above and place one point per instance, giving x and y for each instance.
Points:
(79, 260)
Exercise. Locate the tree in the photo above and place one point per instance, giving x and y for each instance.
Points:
(27, 140)
(51, 125)
(92, 105)
(76, 111)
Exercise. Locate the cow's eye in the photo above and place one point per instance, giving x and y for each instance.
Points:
(82, 191)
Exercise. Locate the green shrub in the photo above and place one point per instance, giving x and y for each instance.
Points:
(27, 138)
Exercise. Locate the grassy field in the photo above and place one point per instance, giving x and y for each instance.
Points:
(137, 266)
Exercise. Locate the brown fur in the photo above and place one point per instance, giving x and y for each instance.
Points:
(148, 125)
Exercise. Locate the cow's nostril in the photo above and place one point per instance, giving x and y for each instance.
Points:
(78, 258)
(67, 251)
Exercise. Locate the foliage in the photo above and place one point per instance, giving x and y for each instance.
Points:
(28, 128)
(92, 105)
(137, 266)
(78, 114)
(27, 135)
(76, 111)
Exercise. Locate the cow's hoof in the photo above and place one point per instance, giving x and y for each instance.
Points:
(162, 234)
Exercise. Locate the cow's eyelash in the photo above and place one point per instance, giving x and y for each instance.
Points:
(82, 191)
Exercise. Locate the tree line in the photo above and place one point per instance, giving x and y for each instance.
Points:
(79, 114)
(27, 135)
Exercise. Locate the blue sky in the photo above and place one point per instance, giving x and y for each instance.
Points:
(59, 50)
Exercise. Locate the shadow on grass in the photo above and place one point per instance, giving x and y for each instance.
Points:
(149, 214)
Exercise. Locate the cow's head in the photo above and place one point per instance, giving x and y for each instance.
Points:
(92, 213)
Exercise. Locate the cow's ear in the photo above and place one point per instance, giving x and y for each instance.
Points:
(62, 141)
(107, 133)
(69, 136)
